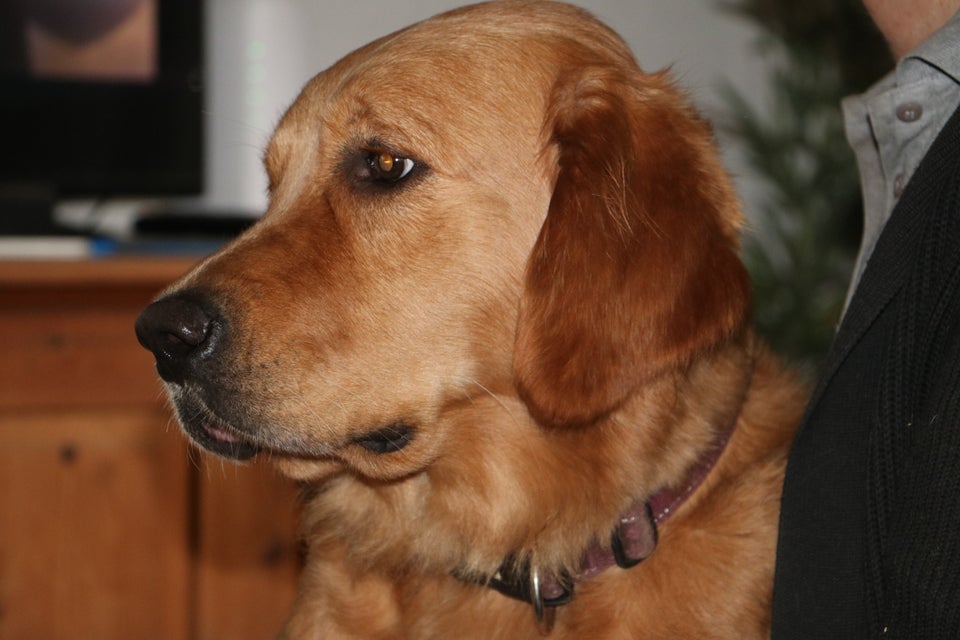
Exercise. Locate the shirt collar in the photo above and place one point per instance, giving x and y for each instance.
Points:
(937, 55)
(940, 53)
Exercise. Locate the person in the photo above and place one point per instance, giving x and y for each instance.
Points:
(869, 542)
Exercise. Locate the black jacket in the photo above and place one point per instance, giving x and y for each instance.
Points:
(870, 528)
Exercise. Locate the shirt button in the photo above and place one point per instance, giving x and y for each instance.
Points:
(898, 183)
(909, 111)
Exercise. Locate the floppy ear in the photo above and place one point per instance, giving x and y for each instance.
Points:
(635, 271)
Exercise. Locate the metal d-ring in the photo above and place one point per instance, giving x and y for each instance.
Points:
(546, 616)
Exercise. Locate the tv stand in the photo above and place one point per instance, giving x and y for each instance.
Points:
(109, 527)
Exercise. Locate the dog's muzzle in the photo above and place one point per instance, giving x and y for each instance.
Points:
(185, 332)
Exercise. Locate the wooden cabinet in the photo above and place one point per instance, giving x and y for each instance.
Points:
(111, 526)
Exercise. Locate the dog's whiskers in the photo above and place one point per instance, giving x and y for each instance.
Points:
(496, 398)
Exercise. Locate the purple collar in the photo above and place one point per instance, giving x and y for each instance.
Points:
(633, 539)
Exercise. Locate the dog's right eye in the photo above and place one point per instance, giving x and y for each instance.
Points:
(386, 167)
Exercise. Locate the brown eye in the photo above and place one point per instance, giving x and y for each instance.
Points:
(387, 167)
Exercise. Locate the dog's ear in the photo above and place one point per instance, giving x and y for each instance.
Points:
(636, 269)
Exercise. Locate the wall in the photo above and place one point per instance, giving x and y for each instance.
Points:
(262, 51)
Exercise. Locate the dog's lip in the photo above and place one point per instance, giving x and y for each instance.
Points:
(205, 427)
(212, 432)
(386, 440)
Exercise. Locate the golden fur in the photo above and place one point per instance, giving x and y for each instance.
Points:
(551, 300)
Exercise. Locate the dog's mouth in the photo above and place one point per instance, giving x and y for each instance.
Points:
(212, 432)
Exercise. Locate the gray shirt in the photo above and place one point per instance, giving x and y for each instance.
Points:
(893, 124)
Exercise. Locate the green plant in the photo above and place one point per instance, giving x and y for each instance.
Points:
(805, 229)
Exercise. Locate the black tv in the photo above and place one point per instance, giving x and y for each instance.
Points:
(124, 121)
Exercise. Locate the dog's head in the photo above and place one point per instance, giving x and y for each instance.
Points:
(495, 203)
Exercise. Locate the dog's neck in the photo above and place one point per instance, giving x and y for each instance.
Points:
(633, 539)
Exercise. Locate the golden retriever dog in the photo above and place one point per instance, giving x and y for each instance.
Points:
(494, 319)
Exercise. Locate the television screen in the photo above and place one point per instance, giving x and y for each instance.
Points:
(101, 97)
(112, 40)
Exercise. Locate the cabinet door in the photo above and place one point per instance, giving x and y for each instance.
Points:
(249, 555)
(110, 525)
(94, 535)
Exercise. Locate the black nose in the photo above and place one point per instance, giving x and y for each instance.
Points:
(180, 332)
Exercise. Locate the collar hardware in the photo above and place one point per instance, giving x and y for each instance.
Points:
(522, 582)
